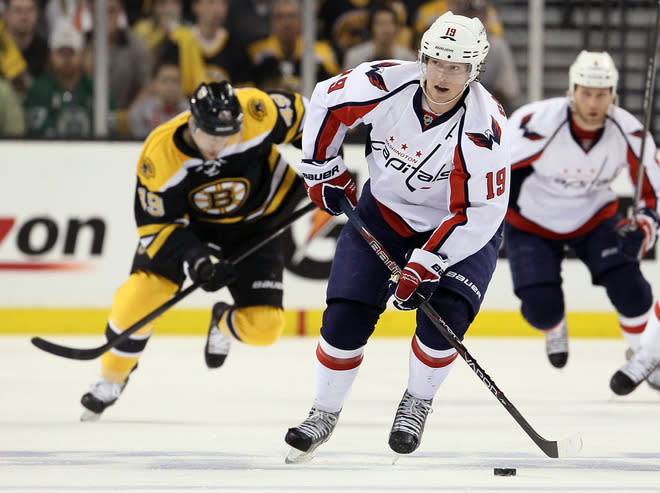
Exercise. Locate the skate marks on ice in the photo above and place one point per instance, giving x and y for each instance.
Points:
(181, 427)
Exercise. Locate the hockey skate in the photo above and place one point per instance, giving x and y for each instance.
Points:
(639, 367)
(654, 377)
(556, 345)
(308, 435)
(217, 343)
(102, 394)
(408, 426)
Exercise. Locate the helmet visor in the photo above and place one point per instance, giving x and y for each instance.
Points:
(442, 70)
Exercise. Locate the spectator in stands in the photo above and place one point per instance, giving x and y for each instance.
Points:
(21, 18)
(129, 59)
(383, 29)
(345, 23)
(59, 103)
(225, 58)
(431, 10)
(285, 44)
(165, 101)
(249, 20)
(13, 66)
(164, 17)
(499, 76)
(12, 120)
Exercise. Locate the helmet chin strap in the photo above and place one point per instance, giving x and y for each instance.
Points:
(423, 84)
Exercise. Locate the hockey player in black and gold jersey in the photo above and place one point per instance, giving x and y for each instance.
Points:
(208, 181)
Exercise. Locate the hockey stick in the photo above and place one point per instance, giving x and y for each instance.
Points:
(564, 448)
(649, 90)
(92, 353)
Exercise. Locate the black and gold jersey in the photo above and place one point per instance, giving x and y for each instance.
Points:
(241, 190)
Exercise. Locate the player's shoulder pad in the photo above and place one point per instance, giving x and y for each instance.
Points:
(543, 110)
(628, 123)
(259, 112)
(160, 158)
(369, 81)
(485, 119)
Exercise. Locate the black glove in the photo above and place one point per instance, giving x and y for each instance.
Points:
(204, 264)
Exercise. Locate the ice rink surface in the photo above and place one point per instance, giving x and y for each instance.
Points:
(179, 427)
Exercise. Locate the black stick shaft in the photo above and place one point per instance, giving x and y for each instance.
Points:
(649, 90)
(92, 353)
(549, 447)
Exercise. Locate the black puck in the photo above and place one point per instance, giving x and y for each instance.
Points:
(504, 471)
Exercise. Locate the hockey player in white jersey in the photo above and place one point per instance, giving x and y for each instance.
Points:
(436, 197)
(566, 152)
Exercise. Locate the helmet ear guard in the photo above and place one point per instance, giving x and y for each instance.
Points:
(455, 38)
(216, 109)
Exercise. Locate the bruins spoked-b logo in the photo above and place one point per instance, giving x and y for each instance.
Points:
(221, 197)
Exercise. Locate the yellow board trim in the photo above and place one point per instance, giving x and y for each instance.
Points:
(48, 321)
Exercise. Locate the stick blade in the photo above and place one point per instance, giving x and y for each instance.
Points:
(65, 351)
(570, 447)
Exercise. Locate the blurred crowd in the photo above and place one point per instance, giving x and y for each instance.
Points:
(160, 50)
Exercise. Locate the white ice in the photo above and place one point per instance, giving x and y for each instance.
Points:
(179, 427)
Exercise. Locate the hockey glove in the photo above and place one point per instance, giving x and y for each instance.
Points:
(421, 275)
(327, 183)
(205, 265)
(637, 236)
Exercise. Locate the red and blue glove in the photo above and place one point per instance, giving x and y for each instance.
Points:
(327, 183)
(637, 236)
(418, 280)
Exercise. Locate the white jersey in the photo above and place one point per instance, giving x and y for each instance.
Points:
(451, 178)
(559, 189)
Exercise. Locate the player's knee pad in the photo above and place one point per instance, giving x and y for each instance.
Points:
(542, 305)
(257, 325)
(142, 293)
(627, 289)
(454, 310)
(347, 324)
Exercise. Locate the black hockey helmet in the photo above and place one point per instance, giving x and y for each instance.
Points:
(215, 108)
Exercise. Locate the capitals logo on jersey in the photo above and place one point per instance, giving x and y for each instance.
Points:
(374, 75)
(490, 136)
(526, 133)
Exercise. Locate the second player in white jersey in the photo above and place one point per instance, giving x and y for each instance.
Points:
(566, 154)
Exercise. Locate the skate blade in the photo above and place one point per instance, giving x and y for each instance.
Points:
(89, 416)
(296, 456)
(395, 458)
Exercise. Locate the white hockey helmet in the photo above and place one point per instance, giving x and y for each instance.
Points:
(593, 69)
(455, 38)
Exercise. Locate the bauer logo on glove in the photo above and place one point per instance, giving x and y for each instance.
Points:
(327, 183)
(418, 280)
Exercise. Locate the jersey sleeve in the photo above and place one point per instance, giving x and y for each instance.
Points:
(160, 204)
(291, 114)
(346, 100)
(478, 192)
(650, 191)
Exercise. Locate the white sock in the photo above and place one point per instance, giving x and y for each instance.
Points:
(334, 372)
(428, 368)
(650, 338)
(632, 329)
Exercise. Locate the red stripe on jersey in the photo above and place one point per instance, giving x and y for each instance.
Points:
(395, 222)
(630, 329)
(657, 309)
(648, 193)
(337, 363)
(430, 360)
(520, 222)
(457, 203)
(346, 115)
(526, 162)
